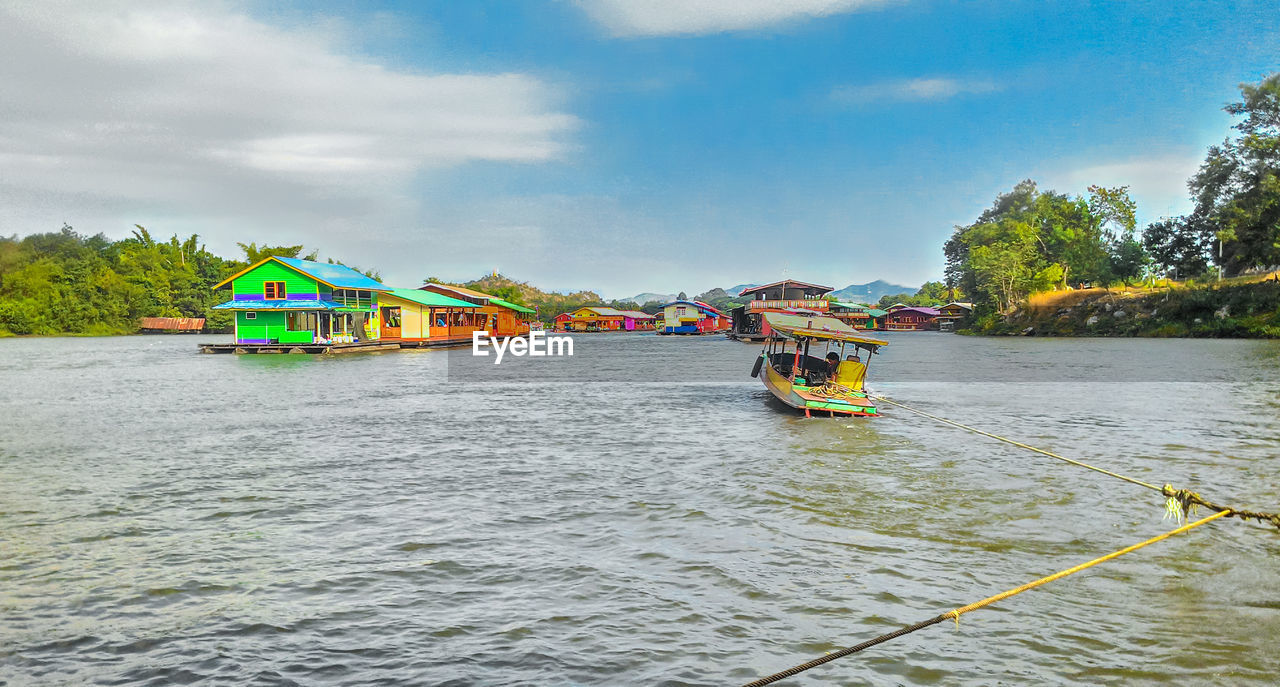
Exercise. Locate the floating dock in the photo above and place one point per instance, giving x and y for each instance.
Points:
(328, 348)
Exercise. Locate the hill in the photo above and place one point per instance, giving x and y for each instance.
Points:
(647, 297)
(872, 292)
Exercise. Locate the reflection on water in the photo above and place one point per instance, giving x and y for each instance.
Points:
(641, 513)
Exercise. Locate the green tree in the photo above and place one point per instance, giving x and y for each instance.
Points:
(253, 253)
(1181, 246)
(1237, 189)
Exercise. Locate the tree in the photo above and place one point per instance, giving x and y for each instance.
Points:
(1237, 189)
(254, 254)
(1031, 240)
(1180, 245)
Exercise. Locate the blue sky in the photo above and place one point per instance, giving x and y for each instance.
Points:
(621, 147)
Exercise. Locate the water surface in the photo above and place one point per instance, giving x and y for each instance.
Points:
(642, 513)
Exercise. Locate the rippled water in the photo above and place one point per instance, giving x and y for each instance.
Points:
(644, 514)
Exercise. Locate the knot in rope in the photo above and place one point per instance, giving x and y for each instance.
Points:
(1181, 503)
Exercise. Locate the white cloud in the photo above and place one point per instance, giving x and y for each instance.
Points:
(185, 111)
(910, 90)
(628, 18)
(1158, 183)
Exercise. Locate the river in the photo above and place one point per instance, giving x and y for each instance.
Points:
(640, 513)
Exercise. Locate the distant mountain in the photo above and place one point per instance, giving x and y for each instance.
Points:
(735, 290)
(871, 293)
(642, 298)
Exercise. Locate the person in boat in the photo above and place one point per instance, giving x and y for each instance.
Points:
(833, 364)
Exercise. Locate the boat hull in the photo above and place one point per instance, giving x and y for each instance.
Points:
(811, 399)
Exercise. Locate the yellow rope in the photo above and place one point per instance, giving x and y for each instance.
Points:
(1180, 502)
(1019, 444)
(1069, 571)
(955, 614)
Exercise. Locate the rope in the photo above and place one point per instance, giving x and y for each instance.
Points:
(1180, 502)
(1019, 444)
(957, 612)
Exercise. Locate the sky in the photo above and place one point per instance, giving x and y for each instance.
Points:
(621, 146)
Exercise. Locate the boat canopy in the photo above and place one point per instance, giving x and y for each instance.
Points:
(823, 327)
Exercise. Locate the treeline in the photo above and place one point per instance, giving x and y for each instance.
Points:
(66, 283)
(1032, 240)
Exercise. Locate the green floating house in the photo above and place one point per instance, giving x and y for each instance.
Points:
(292, 301)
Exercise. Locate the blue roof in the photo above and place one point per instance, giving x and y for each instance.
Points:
(286, 304)
(339, 276)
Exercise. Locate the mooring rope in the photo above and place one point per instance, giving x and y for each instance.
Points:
(955, 613)
(1179, 501)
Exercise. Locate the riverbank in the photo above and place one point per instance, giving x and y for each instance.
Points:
(1231, 310)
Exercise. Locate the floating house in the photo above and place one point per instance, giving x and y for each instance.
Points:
(909, 318)
(635, 320)
(495, 316)
(786, 296)
(877, 318)
(853, 314)
(596, 318)
(284, 301)
(180, 325)
(691, 317)
(414, 317)
(951, 313)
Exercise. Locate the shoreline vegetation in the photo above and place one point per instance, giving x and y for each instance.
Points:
(64, 283)
(1030, 264)
(1234, 309)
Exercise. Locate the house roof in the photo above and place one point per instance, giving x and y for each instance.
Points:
(697, 304)
(933, 312)
(849, 306)
(788, 282)
(472, 293)
(877, 312)
(966, 306)
(636, 314)
(601, 310)
(430, 298)
(333, 276)
(285, 304)
(507, 304)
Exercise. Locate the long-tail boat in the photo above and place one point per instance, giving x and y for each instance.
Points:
(832, 382)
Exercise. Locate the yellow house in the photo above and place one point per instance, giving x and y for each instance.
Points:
(428, 318)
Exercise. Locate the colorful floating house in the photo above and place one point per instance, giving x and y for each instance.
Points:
(635, 320)
(598, 318)
(691, 317)
(281, 301)
(786, 296)
(427, 318)
(493, 315)
(908, 318)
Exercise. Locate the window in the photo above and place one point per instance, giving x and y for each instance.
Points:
(251, 316)
(273, 290)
